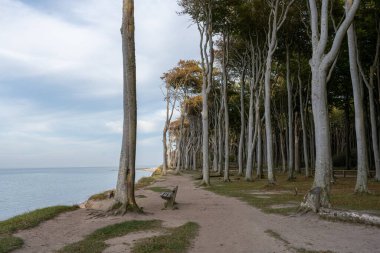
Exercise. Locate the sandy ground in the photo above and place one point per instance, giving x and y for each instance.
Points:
(227, 225)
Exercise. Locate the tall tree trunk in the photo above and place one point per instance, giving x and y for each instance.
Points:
(289, 87)
(165, 151)
(248, 169)
(259, 171)
(282, 146)
(297, 167)
(362, 154)
(304, 135)
(347, 128)
(180, 144)
(125, 188)
(320, 64)
(370, 86)
(207, 60)
(242, 124)
(220, 140)
(268, 122)
(276, 20)
(226, 113)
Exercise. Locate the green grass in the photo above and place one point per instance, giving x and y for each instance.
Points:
(101, 196)
(95, 242)
(177, 241)
(145, 181)
(9, 243)
(342, 194)
(159, 189)
(25, 221)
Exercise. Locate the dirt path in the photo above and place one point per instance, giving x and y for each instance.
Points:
(227, 225)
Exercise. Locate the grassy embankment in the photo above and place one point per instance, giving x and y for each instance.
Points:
(8, 242)
(285, 196)
(172, 239)
(143, 182)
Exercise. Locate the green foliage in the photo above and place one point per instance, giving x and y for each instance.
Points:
(178, 240)
(95, 242)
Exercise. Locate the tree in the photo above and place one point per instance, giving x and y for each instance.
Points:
(362, 154)
(278, 11)
(320, 67)
(125, 188)
(181, 81)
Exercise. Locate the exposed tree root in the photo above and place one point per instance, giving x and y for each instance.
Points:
(121, 209)
(204, 183)
(315, 199)
(349, 216)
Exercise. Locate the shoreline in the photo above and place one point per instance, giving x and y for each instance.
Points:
(81, 202)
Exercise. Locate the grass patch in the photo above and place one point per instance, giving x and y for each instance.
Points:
(101, 196)
(25, 221)
(95, 242)
(9, 243)
(177, 241)
(159, 189)
(145, 181)
(32, 219)
(261, 195)
(283, 192)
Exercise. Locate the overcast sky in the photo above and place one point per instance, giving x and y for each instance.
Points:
(61, 79)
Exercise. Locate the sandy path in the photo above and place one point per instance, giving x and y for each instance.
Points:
(227, 225)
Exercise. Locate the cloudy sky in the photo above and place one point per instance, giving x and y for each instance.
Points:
(61, 79)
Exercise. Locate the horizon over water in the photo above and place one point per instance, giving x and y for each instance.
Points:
(26, 189)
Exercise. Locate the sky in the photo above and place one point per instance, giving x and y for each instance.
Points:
(61, 79)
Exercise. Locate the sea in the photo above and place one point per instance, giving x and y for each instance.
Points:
(27, 189)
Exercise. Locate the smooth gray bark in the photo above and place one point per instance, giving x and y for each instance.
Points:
(304, 135)
(289, 87)
(207, 62)
(320, 64)
(226, 113)
(370, 86)
(275, 23)
(242, 123)
(362, 154)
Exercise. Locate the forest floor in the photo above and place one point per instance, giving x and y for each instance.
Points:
(227, 224)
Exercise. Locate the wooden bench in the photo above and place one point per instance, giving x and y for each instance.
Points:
(170, 197)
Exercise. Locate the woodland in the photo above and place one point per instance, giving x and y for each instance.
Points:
(287, 87)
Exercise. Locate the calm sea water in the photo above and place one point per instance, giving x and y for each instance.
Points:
(23, 190)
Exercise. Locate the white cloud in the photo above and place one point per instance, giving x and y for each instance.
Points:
(76, 46)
